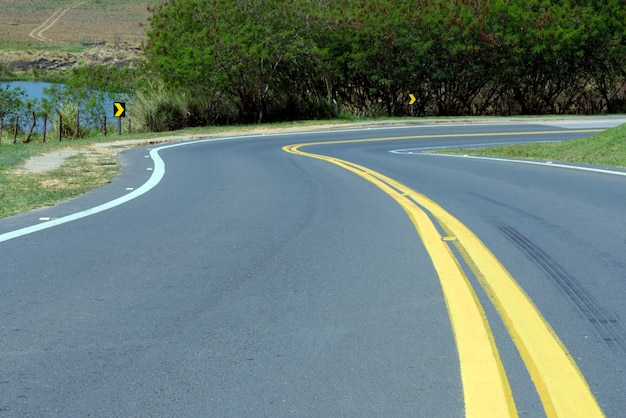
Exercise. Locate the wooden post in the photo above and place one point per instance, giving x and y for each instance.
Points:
(129, 125)
(45, 126)
(30, 131)
(60, 126)
(77, 124)
(15, 130)
(104, 125)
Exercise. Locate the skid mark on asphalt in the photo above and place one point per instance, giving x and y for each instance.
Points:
(606, 325)
(561, 386)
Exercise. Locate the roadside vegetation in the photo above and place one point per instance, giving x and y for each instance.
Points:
(22, 190)
(218, 63)
(606, 148)
(253, 61)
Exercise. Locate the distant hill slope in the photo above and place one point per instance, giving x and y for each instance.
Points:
(40, 34)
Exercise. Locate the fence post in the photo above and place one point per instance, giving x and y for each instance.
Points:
(60, 126)
(104, 124)
(32, 127)
(15, 130)
(77, 124)
(45, 126)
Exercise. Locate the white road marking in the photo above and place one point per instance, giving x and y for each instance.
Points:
(542, 163)
(156, 177)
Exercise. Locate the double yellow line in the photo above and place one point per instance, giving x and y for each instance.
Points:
(487, 393)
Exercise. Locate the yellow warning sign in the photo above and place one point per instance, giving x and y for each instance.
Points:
(119, 109)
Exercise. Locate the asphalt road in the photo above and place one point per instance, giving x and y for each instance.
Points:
(239, 278)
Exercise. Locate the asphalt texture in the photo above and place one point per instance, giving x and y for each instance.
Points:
(251, 282)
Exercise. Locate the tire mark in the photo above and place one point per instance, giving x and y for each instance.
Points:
(606, 325)
(37, 33)
(599, 255)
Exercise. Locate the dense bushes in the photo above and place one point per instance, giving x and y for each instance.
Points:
(250, 61)
(261, 60)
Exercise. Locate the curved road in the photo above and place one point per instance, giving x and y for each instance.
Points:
(341, 273)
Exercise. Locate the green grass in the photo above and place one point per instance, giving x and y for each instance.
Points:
(605, 148)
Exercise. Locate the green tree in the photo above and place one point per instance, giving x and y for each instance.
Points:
(459, 56)
(240, 53)
(260, 60)
(12, 103)
(374, 54)
(606, 52)
(548, 51)
(182, 45)
(75, 101)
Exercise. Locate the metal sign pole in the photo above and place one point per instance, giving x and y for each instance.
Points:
(412, 100)
(119, 111)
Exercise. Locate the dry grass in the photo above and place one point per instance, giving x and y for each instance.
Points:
(60, 34)
(89, 21)
(22, 190)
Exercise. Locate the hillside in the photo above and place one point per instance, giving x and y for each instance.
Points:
(53, 34)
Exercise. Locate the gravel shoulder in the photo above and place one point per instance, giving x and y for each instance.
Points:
(51, 161)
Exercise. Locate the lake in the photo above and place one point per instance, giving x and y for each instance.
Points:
(35, 90)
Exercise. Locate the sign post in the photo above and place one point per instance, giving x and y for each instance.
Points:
(119, 111)
(412, 100)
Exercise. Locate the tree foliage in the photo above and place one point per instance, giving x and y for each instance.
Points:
(264, 60)
(12, 103)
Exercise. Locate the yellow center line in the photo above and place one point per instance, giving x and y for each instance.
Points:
(560, 384)
(486, 390)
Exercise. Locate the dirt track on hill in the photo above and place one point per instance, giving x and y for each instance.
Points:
(37, 33)
(53, 35)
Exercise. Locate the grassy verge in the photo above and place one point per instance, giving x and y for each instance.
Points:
(606, 148)
(21, 190)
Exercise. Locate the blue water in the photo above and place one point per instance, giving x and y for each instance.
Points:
(35, 90)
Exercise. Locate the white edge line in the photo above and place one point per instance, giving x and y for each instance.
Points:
(157, 175)
(155, 178)
(548, 164)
